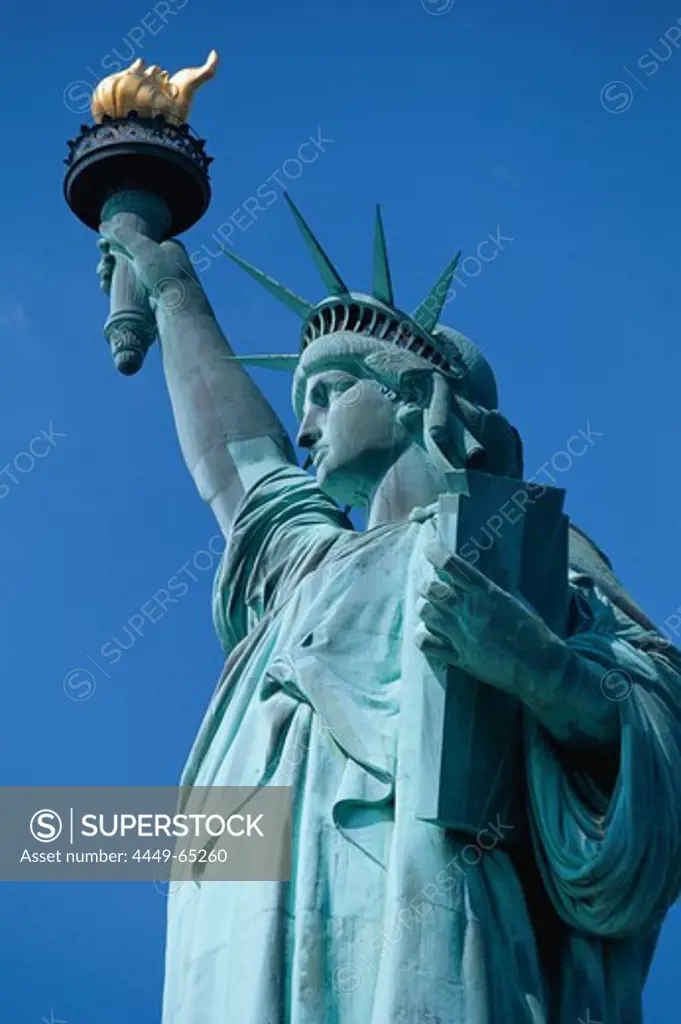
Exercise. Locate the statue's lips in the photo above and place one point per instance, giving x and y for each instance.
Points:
(318, 455)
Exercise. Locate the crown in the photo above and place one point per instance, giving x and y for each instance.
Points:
(374, 316)
(150, 91)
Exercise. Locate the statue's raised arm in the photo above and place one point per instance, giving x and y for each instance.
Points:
(229, 434)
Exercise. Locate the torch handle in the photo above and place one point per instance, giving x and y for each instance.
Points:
(130, 328)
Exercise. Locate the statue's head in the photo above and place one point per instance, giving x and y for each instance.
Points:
(371, 380)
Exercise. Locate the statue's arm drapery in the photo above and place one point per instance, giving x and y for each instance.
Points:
(284, 526)
(607, 836)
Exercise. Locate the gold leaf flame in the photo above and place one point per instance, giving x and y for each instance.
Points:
(150, 91)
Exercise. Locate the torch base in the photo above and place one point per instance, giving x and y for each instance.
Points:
(134, 153)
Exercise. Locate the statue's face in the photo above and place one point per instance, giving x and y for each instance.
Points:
(350, 427)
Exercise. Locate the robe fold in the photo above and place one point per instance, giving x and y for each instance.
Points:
(389, 919)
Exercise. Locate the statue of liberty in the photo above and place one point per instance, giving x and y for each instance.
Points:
(550, 916)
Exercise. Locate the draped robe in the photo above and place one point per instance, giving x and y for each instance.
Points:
(389, 919)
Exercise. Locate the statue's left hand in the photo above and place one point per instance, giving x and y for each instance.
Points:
(470, 622)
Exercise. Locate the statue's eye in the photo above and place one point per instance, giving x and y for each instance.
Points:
(342, 385)
(319, 395)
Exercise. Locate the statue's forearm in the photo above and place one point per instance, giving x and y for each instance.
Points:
(564, 691)
(228, 432)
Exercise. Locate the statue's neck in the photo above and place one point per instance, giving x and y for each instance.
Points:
(411, 481)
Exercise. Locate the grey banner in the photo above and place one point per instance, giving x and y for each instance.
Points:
(145, 833)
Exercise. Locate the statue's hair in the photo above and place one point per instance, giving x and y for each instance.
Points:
(388, 363)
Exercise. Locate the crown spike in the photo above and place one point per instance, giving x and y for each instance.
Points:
(294, 302)
(382, 284)
(329, 274)
(429, 311)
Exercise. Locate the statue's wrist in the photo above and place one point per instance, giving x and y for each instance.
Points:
(541, 672)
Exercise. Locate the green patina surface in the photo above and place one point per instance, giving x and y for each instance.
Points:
(335, 638)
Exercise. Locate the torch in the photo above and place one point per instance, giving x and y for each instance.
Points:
(141, 160)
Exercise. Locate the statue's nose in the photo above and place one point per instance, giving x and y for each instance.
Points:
(309, 431)
(308, 436)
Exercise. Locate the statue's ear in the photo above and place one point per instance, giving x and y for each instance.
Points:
(415, 390)
(416, 386)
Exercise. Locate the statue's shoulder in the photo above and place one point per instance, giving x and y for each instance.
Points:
(586, 558)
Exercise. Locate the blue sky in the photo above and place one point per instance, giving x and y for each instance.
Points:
(464, 119)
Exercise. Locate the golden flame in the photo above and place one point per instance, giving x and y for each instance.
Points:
(150, 91)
